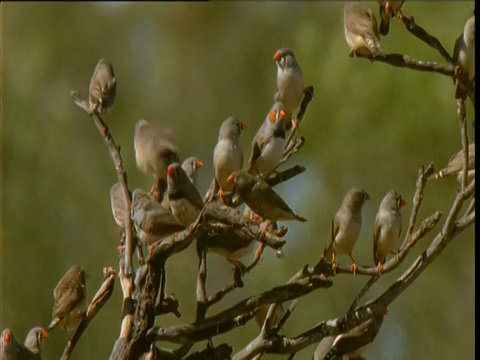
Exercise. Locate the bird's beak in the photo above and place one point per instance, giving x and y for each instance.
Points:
(282, 113)
(277, 56)
(230, 178)
(8, 336)
(271, 117)
(199, 164)
(171, 171)
(243, 126)
(403, 202)
(44, 334)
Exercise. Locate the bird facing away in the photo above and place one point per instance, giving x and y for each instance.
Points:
(388, 9)
(361, 30)
(464, 54)
(185, 201)
(455, 166)
(155, 149)
(346, 226)
(269, 142)
(152, 221)
(34, 341)
(228, 153)
(191, 165)
(70, 296)
(261, 198)
(290, 84)
(351, 345)
(103, 87)
(388, 227)
(119, 207)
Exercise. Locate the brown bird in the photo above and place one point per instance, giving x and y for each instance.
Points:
(119, 207)
(455, 166)
(185, 201)
(464, 54)
(351, 345)
(261, 198)
(228, 153)
(361, 31)
(191, 165)
(152, 221)
(103, 87)
(346, 226)
(290, 84)
(155, 149)
(388, 227)
(70, 296)
(34, 342)
(388, 9)
(269, 142)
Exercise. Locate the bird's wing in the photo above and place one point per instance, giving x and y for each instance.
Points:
(331, 237)
(67, 297)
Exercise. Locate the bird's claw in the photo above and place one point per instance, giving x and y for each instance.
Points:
(354, 268)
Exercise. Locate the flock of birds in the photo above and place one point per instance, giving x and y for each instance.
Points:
(174, 202)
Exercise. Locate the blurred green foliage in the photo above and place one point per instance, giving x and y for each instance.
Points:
(190, 65)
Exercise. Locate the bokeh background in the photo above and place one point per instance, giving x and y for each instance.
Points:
(189, 66)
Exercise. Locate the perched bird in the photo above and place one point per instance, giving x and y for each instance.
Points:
(70, 296)
(269, 142)
(262, 311)
(361, 31)
(10, 348)
(155, 149)
(34, 342)
(455, 166)
(103, 87)
(388, 227)
(464, 54)
(152, 221)
(261, 198)
(388, 9)
(191, 165)
(119, 207)
(351, 345)
(346, 226)
(290, 85)
(228, 153)
(185, 201)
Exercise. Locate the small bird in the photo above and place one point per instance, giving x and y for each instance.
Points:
(269, 142)
(351, 345)
(228, 153)
(103, 87)
(261, 198)
(262, 311)
(388, 227)
(34, 342)
(455, 166)
(185, 201)
(151, 220)
(191, 165)
(155, 149)
(464, 54)
(70, 296)
(388, 9)
(346, 226)
(290, 84)
(117, 202)
(10, 348)
(361, 31)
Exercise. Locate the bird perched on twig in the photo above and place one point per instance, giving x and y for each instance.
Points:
(34, 342)
(152, 221)
(228, 154)
(346, 226)
(464, 54)
(70, 296)
(388, 9)
(261, 198)
(361, 30)
(118, 205)
(269, 142)
(103, 87)
(388, 227)
(155, 149)
(185, 201)
(455, 166)
(290, 84)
